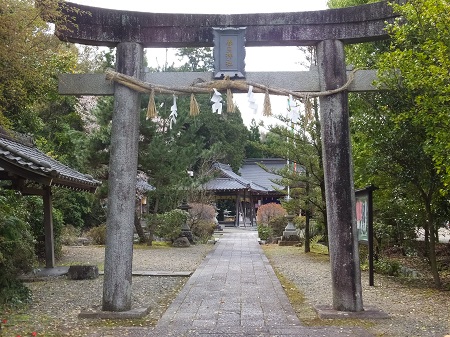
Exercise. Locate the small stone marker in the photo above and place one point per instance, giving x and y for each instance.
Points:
(82, 272)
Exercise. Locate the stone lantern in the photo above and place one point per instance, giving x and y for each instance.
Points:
(290, 236)
(185, 229)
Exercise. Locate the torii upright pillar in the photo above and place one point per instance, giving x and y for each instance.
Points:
(122, 183)
(340, 194)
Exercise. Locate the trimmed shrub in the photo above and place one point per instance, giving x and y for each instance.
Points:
(387, 267)
(202, 230)
(202, 221)
(200, 211)
(268, 211)
(97, 234)
(264, 232)
(69, 235)
(278, 224)
(168, 225)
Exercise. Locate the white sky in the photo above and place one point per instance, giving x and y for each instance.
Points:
(275, 58)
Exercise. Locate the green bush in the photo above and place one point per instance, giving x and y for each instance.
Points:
(97, 234)
(264, 232)
(387, 267)
(168, 225)
(202, 230)
(278, 224)
(16, 248)
(75, 207)
(16, 252)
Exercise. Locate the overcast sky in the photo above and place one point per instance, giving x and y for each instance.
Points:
(275, 58)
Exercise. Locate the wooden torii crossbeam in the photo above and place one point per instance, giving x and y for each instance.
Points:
(131, 32)
(300, 81)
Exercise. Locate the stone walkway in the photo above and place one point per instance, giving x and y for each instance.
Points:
(235, 292)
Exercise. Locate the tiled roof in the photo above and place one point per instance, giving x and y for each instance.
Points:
(256, 181)
(22, 158)
(224, 184)
(251, 170)
(246, 183)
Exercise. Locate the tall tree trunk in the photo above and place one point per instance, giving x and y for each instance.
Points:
(432, 250)
(139, 230)
(307, 213)
(427, 239)
(307, 233)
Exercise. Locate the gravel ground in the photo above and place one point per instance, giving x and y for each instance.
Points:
(57, 302)
(413, 311)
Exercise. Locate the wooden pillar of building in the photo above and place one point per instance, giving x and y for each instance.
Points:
(48, 228)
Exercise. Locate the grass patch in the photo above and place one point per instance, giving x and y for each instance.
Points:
(155, 244)
(318, 248)
(303, 310)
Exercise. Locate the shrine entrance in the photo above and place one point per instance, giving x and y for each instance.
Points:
(131, 32)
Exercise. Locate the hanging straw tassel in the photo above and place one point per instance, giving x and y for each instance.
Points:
(267, 106)
(230, 104)
(308, 109)
(151, 109)
(194, 108)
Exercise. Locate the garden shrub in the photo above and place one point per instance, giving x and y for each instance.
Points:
(16, 252)
(200, 211)
(387, 267)
(278, 224)
(75, 207)
(268, 211)
(202, 230)
(69, 235)
(264, 232)
(97, 234)
(168, 225)
(202, 221)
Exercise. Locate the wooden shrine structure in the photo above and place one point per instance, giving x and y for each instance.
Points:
(29, 171)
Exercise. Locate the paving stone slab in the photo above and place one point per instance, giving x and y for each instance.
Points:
(235, 292)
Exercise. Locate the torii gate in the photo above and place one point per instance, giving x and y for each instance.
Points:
(131, 32)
